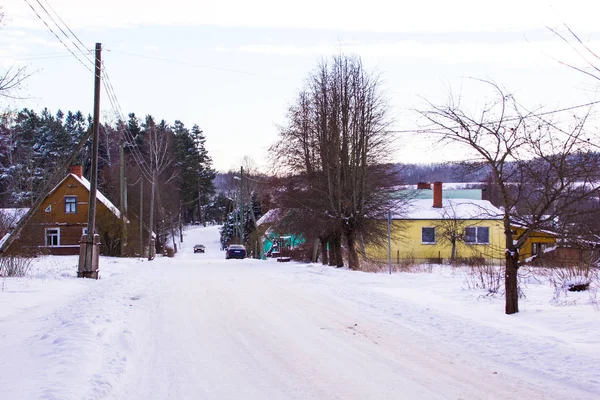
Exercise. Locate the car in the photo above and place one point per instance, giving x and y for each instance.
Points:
(199, 248)
(235, 251)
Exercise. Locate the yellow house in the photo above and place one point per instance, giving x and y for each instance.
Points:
(536, 243)
(433, 229)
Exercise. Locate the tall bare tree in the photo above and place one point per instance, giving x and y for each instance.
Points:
(533, 164)
(336, 139)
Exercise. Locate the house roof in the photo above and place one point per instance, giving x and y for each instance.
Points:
(421, 194)
(451, 209)
(269, 217)
(99, 196)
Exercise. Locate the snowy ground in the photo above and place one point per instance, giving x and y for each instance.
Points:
(202, 327)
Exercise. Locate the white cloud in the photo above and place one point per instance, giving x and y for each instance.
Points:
(374, 15)
(517, 55)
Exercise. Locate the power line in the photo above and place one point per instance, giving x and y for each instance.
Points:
(69, 29)
(64, 33)
(138, 158)
(115, 105)
(57, 37)
(532, 115)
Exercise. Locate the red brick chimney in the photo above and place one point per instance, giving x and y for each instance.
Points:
(76, 170)
(437, 194)
(423, 185)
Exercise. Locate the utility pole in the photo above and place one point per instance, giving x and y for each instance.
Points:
(242, 227)
(89, 251)
(142, 216)
(150, 240)
(389, 221)
(123, 200)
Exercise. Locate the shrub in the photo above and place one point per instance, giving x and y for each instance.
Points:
(14, 265)
(170, 252)
(573, 279)
(485, 277)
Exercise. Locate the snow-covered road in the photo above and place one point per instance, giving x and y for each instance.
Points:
(202, 327)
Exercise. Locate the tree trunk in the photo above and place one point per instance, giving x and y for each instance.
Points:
(315, 255)
(324, 258)
(453, 253)
(510, 283)
(332, 256)
(353, 262)
(339, 258)
(510, 272)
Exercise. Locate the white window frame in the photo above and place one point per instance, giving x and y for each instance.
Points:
(477, 228)
(48, 209)
(434, 234)
(73, 203)
(57, 235)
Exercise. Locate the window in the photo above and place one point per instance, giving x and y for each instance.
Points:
(49, 208)
(477, 234)
(52, 236)
(84, 231)
(70, 204)
(427, 235)
(538, 248)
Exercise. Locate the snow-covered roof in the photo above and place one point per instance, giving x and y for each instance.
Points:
(99, 196)
(451, 209)
(268, 217)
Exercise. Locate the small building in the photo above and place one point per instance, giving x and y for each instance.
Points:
(272, 242)
(57, 226)
(423, 229)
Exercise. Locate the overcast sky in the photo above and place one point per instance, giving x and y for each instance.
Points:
(233, 67)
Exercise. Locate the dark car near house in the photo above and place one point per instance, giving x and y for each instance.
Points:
(235, 251)
(199, 248)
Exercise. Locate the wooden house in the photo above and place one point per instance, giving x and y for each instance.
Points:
(57, 225)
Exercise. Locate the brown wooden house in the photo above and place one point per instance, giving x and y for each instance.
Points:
(57, 225)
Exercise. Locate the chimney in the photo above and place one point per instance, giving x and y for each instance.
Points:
(423, 185)
(76, 170)
(437, 194)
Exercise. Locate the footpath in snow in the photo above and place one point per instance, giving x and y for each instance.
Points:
(198, 326)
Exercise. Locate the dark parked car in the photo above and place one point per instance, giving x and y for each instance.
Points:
(199, 248)
(235, 251)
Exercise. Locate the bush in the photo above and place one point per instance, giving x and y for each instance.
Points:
(14, 265)
(486, 277)
(170, 252)
(573, 279)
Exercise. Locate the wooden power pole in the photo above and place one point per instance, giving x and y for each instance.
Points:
(89, 252)
(123, 182)
(142, 216)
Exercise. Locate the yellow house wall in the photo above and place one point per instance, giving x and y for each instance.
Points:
(535, 237)
(406, 243)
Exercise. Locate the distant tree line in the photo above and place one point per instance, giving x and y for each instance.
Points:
(33, 147)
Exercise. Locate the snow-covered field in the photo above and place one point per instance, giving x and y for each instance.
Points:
(198, 326)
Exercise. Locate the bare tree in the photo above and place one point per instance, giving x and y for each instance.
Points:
(451, 229)
(337, 141)
(158, 139)
(532, 164)
(590, 59)
(12, 78)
